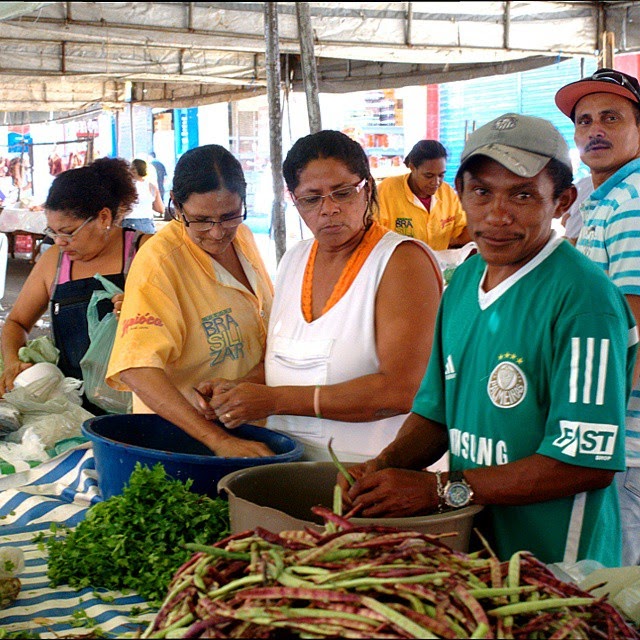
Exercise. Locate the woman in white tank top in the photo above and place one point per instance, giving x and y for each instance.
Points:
(141, 215)
(353, 317)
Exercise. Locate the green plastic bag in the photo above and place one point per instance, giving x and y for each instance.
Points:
(40, 349)
(95, 361)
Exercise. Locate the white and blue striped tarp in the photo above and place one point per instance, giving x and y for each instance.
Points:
(58, 491)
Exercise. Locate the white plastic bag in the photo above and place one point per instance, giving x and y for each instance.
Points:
(9, 418)
(50, 410)
(29, 450)
(43, 380)
(621, 585)
(450, 259)
(49, 394)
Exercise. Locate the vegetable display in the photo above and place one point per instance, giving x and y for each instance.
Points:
(11, 565)
(371, 581)
(136, 540)
(9, 590)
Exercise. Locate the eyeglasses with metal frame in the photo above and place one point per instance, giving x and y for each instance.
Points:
(208, 224)
(67, 237)
(344, 195)
(617, 78)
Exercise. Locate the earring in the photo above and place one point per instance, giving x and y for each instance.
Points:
(368, 216)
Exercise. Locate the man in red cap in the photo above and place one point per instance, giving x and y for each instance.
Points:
(605, 109)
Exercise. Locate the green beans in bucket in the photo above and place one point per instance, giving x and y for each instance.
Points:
(341, 468)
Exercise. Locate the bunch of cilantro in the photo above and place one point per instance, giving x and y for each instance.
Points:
(136, 540)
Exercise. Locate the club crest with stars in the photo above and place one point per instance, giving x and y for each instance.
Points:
(507, 386)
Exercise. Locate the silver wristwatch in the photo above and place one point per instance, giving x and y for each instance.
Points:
(457, 493)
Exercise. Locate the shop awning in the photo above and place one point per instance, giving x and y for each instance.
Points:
(76, 56)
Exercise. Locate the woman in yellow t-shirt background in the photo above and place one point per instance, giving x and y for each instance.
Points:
(419, 204)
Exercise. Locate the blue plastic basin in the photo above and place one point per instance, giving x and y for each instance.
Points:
(120, 441)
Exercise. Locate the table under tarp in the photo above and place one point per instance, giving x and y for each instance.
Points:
(58, 491)
(15, 221)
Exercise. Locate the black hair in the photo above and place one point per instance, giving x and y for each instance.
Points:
(425, 150)
(562, 176)
(329, 144)
(559, 172)
(207, 168)
(140, 166)
(83, 192)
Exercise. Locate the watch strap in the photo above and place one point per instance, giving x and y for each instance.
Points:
(440, 491)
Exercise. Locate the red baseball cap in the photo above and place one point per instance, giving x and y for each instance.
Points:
(602, 81)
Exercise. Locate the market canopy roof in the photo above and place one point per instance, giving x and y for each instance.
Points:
(75, 57)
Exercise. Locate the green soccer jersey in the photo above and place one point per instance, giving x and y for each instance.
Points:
(541, 364)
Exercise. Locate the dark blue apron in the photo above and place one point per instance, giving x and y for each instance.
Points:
(69, 327)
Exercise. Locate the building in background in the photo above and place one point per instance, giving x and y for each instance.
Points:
(387, 122)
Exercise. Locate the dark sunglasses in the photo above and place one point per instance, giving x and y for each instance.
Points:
(618, 78)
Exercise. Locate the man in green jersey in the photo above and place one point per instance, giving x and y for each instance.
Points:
(530, 370)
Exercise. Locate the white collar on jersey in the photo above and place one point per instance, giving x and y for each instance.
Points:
(487, 298)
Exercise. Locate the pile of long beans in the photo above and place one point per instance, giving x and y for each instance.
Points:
(371, 582)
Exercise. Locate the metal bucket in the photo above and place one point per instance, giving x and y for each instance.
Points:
(279, 497)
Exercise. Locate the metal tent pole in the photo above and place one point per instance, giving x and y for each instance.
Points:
(308, 62)
(272, 47)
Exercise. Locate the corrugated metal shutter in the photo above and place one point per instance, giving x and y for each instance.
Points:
(471, 103)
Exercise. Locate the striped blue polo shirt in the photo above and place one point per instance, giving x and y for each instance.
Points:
(610, 236)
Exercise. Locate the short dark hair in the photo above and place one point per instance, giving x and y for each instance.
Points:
(425, 150)
(140, 166)
(207, 168)
(559, 172)
(328, 144)
(83, 192)
(561, 175)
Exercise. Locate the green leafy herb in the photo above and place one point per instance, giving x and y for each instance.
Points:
(23, 634)
(103, 596)
(80, 618)
(136, 540)
(137, 611)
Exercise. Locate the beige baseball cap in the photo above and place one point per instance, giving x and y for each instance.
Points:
(522, 144)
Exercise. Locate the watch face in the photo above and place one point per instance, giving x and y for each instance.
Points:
(458, 494)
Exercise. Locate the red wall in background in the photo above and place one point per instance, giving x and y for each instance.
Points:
(433, 112)
(628, 63)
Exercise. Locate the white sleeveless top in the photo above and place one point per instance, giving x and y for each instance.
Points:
(144, 207)
(338, 346)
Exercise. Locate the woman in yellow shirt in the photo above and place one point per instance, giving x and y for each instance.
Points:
(197, 301)
(420, 204)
